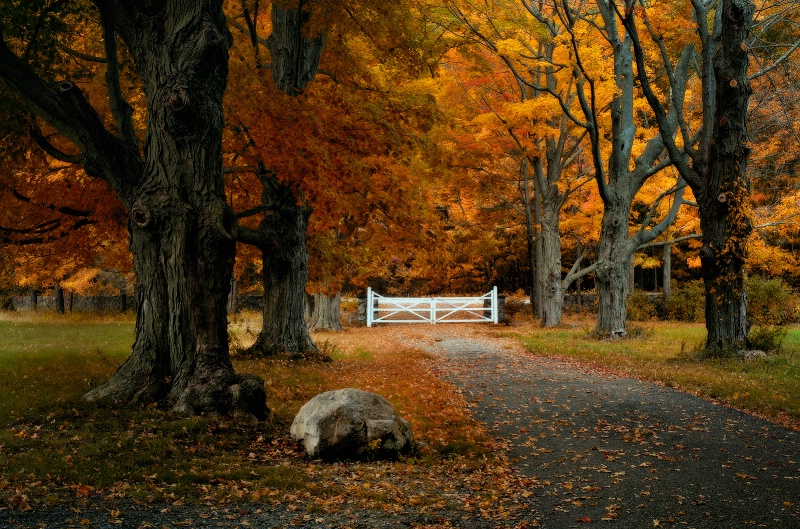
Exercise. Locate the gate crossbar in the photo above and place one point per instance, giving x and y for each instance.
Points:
(460, 309)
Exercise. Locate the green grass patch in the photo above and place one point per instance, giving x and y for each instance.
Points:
(667, 353)
(46, 361)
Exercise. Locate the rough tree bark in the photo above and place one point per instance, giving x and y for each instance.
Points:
(282, 239)
(281, 236)
(724, 199)
(614, 258)
(714, 164)
(182, 233)
(550, 256)
(295, 57)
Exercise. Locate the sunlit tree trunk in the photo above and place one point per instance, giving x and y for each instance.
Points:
(530, 233)
(327, 313)
(614, 258)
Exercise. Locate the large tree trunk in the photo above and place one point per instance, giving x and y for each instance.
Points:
(717, 173)
(611, 275)
(285, 271)
(725, 201)
(182, 232)
(619, 184)
(327, 313)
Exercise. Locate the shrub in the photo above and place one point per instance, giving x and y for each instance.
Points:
(512, 307)
(686, 303)
(642, 306)
(767, 338)
(349, 305)
(769, 301)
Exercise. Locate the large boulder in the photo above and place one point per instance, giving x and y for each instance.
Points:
(350, 423)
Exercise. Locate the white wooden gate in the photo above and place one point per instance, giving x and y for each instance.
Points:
(382, 309)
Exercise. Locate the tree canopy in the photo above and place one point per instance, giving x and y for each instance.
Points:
(433, 148)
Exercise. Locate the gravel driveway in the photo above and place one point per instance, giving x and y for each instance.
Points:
(622, 453)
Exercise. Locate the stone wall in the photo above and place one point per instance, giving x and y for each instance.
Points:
(108, 303)
(76, 303)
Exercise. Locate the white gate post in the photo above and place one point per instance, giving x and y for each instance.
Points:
(369, 306)
(494, 305)
(433, 311)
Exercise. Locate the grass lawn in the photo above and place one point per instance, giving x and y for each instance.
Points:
(666, 353)
(45, 359)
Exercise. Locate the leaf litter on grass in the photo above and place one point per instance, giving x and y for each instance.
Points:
(150, 456)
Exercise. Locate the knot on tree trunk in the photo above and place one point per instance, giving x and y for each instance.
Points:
(65, 86)
(140, 216)
(178, 99)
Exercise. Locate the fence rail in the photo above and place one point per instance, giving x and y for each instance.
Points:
(433, 310)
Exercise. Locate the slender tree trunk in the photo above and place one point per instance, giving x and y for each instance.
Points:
(667, 271)
(327, 313)
(233, 297)
(613, 263)
(182, 231)
(530, 234)
(655, 279)
(59, 299)
(34, 298)
(552, 294)
(537, 298)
